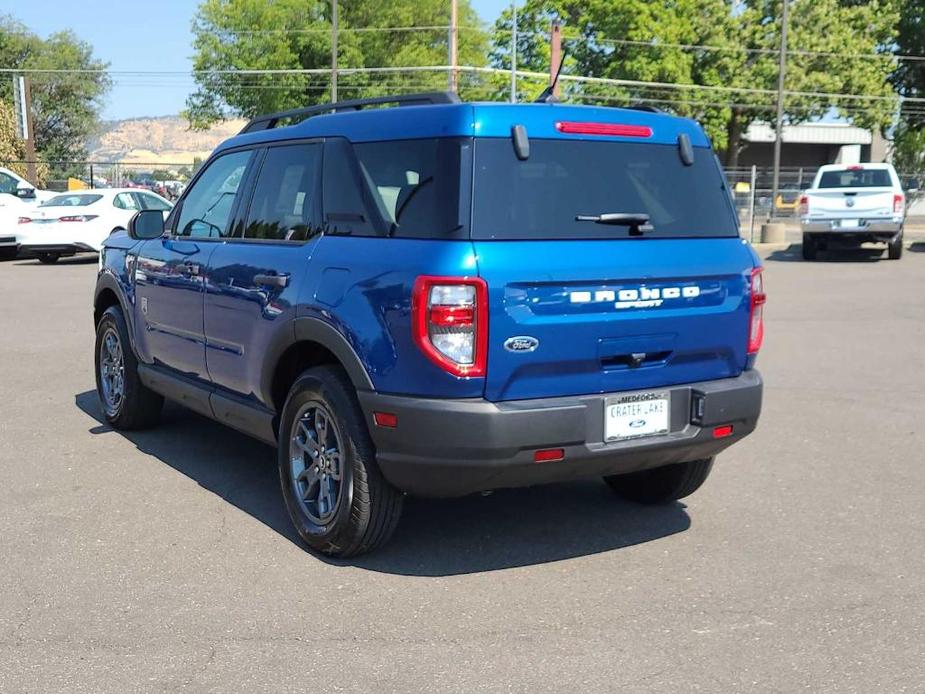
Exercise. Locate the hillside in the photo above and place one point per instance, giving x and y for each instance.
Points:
(163, 140)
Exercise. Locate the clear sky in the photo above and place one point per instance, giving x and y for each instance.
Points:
(133, 35)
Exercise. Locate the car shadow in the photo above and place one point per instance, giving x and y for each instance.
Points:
(436, 537)
(794, 254)
(82, 259)
(917, 247)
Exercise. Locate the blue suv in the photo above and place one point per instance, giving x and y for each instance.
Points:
(413, 295)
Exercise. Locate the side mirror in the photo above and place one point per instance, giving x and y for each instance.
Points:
(25, 193)
(146, 224)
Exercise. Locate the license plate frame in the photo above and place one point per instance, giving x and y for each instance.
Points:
(636, 418)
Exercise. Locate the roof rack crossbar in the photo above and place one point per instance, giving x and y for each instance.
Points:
(297, 115)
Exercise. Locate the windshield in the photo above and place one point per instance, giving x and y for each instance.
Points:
(856, 178)
(539, 198)
(71, 200)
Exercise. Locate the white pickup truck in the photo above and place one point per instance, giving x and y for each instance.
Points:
(853, 204)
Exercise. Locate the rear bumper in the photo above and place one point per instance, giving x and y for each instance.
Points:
(884, 228)
(8, 242)
(456, 447)
(62, 248)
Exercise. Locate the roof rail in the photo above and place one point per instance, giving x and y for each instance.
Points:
(271, 120)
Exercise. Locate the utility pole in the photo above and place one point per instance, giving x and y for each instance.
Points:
(555, 55)
(779, 128)
(514, 52)
(454, 45)
(333, 51)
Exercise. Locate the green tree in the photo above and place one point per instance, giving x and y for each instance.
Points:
(909, 80)
(65, 106)
(236, 36)
(12, 149)
(728, 47)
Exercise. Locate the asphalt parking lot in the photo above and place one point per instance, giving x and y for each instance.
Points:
(164, 561)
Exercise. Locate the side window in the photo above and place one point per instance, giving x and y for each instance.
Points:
(150, 202)
(8, 184)
(124, 201)
(207, 205)
(283, 204)
(345, 206)
(417, 182)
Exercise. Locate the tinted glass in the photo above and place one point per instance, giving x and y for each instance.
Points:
(152, 202)
(539, 198)
(207, 205)
(8, 184)
(71, 201)
(856, 178)
(283, 204)
(125, 201)
(416, 183)
(348, 207)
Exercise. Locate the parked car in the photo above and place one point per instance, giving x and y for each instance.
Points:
(79, 222)
(442, 298)
(12, 184)
(851, 205)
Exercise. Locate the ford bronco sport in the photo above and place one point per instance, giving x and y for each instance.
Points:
(439, 298)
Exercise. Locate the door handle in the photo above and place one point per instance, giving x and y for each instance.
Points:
(280, 280)
(188, 268)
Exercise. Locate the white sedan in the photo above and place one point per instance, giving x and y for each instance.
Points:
(80, 221)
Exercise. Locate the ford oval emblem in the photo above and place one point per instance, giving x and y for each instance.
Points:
(521, 343)
(636, 423)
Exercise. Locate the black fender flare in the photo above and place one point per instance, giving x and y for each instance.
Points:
(107, 280)
(307, 329)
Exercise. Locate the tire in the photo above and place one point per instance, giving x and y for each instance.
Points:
(895, 247)
(9, 253)
(365, 508)
(48, 258)
(134, 406)
(661, 485)
(809, 247)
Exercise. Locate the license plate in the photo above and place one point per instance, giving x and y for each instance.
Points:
(850, 223)
(635, 415)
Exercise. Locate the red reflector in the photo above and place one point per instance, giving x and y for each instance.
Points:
(722, 432)
(385, 419)
(549, 455)
(449, 316)
(603, 129)
(855, 167)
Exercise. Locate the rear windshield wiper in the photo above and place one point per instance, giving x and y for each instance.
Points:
(638, 222)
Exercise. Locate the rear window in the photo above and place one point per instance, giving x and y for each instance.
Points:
(540, 197)
(71, 201)
(856, 178)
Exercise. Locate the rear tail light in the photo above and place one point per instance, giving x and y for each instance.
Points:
(899, 202)
(24, 220)
(804, 205)
(756, 313)
(78, 218)
(449, 318)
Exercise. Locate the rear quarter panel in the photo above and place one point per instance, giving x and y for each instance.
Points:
(362, 287)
